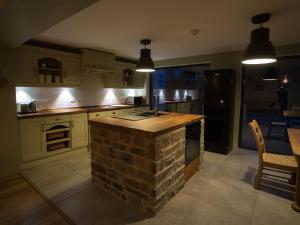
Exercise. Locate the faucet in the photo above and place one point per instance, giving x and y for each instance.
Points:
(156, 100)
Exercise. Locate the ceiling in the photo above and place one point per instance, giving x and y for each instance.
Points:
(20, 20)
(117, 26)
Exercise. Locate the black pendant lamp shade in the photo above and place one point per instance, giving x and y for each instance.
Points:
(145, 63)
(270, 74)
(260, 50)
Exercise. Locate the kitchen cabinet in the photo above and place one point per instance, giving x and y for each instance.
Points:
(71, 70)
(171, 107)
(102, 61)
(44, 67)
(94, 115)
(26, 69)
(181, 107)
(31, 139)
(79, 130)
(125, 77)
(40, 137)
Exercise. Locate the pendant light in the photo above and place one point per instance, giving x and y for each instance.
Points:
(145, 63)
(260, 50)
(270, 74)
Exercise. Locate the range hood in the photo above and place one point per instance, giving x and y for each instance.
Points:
(97, 62)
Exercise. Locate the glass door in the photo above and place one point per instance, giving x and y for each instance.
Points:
(178, 89)
(269, 94)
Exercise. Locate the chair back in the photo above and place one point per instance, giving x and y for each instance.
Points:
(258, 136)
(296, 108)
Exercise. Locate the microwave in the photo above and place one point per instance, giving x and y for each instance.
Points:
(135, 100)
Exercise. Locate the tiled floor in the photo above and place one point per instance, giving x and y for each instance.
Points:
(221, 193)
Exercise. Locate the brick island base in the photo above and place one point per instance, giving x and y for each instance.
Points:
(143, 170)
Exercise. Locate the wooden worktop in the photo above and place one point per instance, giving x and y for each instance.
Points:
(177, 101)
(152, 126)
(294, 137)
(51, 112)
(291, 113)
(88, 109)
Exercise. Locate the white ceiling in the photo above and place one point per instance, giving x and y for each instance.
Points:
(20, 20)
(118, 25)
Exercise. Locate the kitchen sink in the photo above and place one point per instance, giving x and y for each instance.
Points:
(153, 113)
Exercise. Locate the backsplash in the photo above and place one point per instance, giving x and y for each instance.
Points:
(177, 94)
(91, 92)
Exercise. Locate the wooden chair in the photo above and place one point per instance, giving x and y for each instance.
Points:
(269, 161)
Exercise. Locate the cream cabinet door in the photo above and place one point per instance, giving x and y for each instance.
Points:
(31, 139)
(127, 111)
(71, 70)
(79, 130)
(95, 115)
(181, 107)
(26, 67)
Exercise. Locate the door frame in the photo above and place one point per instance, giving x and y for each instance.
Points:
(243, 84)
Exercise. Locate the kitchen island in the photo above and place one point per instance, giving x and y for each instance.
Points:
(144, 162)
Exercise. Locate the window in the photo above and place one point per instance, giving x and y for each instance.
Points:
(268, 100)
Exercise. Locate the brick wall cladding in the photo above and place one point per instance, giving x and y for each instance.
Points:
(143, 171)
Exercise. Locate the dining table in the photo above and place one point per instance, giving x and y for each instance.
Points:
(288, 113)
(294, 137)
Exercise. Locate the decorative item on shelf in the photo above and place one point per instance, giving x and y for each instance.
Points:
(145, 63)
(260, 50)
(270, 74)
(128, 75)
(49, 70)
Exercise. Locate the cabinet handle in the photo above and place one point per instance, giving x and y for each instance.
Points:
(57, 119)
(72, 123)
(97, 114)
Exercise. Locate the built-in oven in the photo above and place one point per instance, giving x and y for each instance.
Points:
(192, 149)
(57, 137)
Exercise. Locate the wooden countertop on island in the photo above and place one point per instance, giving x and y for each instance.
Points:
(153, 126)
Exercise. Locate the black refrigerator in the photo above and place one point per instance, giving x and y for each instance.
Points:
(218, 109)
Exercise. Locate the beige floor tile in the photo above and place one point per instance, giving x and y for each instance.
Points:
(273, 210)
(56, 181)
(202, 212)
(195, 185)
(230, 197)
(94, 206)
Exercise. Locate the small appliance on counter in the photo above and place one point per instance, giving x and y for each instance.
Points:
(188, 98)
(27, 107)
(135, 100)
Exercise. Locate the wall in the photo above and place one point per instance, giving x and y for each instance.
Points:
(9, 139)
(91, 92)
(228, 60)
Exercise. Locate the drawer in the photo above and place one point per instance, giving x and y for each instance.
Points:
(142, 109)
(55, 119)
(127, 111)
(103, 114)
